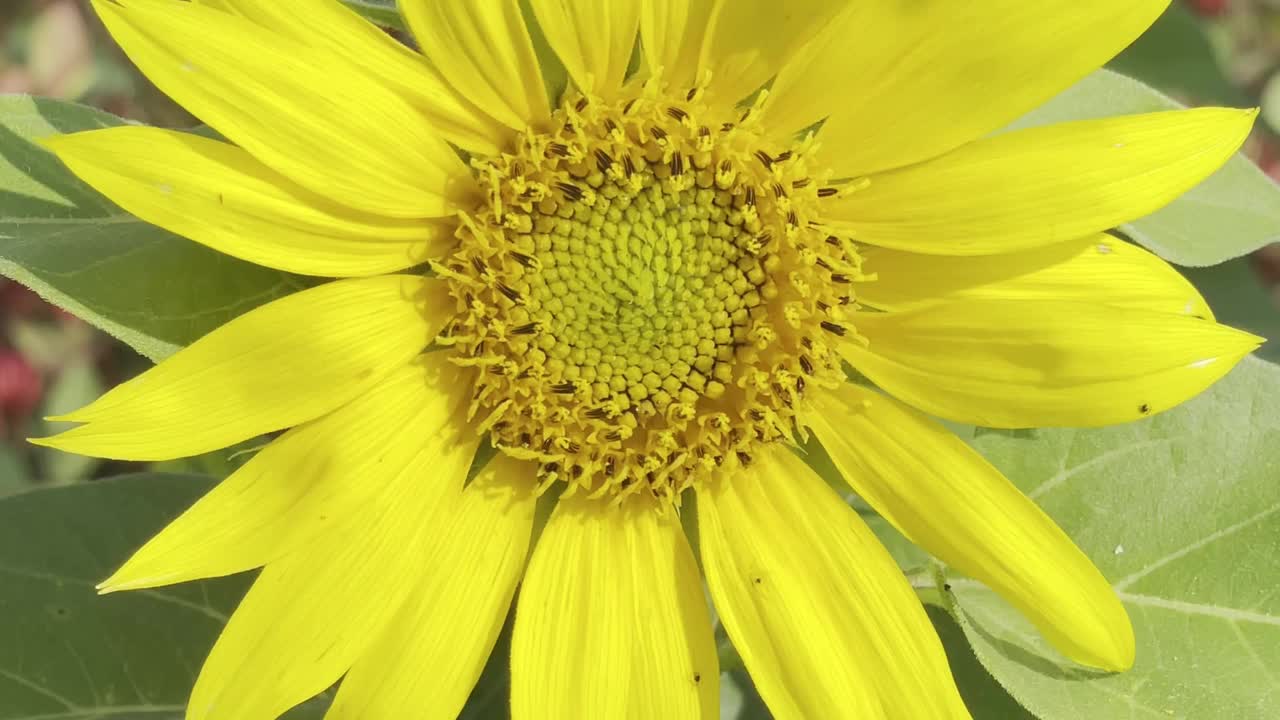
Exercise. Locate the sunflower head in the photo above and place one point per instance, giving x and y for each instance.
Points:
(645, 293)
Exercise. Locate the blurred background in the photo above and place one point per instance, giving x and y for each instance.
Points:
(1223, 52)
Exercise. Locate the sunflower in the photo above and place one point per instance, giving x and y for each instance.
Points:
(640, 263)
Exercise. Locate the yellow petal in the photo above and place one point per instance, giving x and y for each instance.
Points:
(278, 365)
(330, 26)
(612, 621)
(312, 480)
(819, 611)
(593, 39)
(429, 658)
(220, 196)
(931, 75)
(1044, 185)
(950, 501)
(300, 110)
(672, 35)
(314, 612)
(1042, 363)
(1099, 268)
(484, 50)
(748, 41)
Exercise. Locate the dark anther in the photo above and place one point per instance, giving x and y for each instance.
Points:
(609, 466)
(677, 114)
(567, 388)
(573, 448)
(525, 329)
(571, 191)
(834, 328)
(800, 384)
(613, 436)
(603, 161)
(546, 445)
(751, 196)
(626, 109)
(785, 156)
(764, 237)
(822, 263)
(806, 364)
(845, 300)
(764, 159)
(658, 133)
(801, 183)
(807, 343)
(580, 105)
(833, 240)
(778, 190)
(575, 472)
(525, 439)
(677, 164)
(827, 192)
(704, 132)
(610, 125)
(792, 219)
(523, 259)
(823, 306)
(479, 349)
(693, 93)
(840, 278)
(551, 467)
(510, 294)
(756, 414)
(498, 370)
(524, 374)
(726, 127)
(628, 166)
(478, 264)
(597, 413)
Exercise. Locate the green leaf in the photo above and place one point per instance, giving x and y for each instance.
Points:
(379, 12)
(147, 287)
(67, 653)
(1239, 299)
(1232, 213)
(1182, 513)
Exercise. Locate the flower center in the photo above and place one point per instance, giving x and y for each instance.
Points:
(645, 293)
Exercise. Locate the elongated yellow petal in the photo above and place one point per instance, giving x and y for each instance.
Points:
(429, 658)
(300, 110)
(332, 27)
(612, 622)
(930, 75)
(1042, 363)
(672, 35)
(749, 41)
(220, 196)
(950, 501)
(819, 611)
(593, 39)
(276, 366)
(1099, 268)
(310, 481)
(484, 50)
(313, 613)
(1044, 185)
